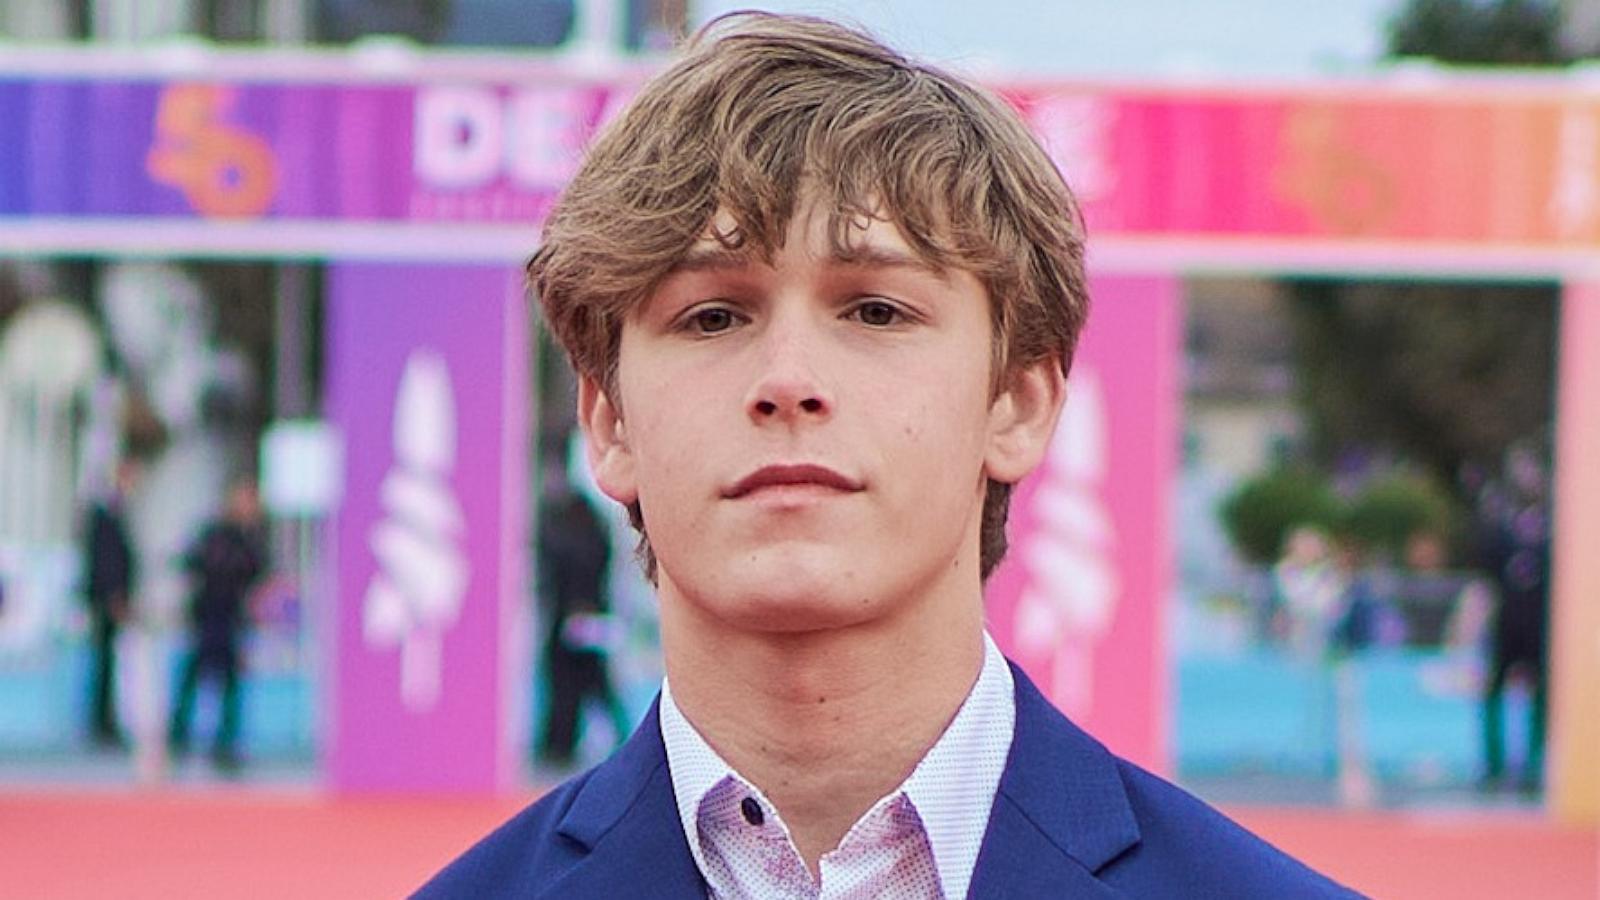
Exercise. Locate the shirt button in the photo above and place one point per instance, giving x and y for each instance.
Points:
(752, 811)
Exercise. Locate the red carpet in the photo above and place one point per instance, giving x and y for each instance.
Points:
(254, 843)
(227, 844)
(1445, 855)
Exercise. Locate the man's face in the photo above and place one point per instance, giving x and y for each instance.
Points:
(244, 504)
(809, 441)
(127, 478)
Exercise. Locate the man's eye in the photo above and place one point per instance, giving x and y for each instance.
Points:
(877, 313)
(712, 321)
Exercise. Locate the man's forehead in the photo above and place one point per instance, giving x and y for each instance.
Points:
(817, 231)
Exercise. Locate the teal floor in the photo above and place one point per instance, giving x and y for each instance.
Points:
(1245, 721)
(1258, 713)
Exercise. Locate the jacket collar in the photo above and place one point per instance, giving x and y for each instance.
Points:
(1060, 815)
(615, 784)
(625, 818)
(1067, 782)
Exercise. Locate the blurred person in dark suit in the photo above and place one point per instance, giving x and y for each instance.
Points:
(1515, 551)
(225, 561)
(574, 556)
(110, 571)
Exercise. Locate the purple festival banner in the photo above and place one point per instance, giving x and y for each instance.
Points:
(428, 387)
(332, 152)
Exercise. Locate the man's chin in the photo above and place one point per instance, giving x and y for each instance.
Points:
(802, 589)
(790, 606)
(788, 611)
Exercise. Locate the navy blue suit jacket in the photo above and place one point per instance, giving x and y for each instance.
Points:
(1069, 820)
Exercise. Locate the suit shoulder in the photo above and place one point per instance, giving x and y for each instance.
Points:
(1183, 840)
(511, 861)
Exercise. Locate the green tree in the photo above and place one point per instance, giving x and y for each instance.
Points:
(1443, 373)
(1261, 512)
(1390, 510)
(1480, 32)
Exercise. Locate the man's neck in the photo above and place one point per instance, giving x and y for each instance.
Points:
(825, 723)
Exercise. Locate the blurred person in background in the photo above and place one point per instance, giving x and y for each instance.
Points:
(1448, 610)
(225, 561)
(1355, 630)
(1424, 591)
(1516, 553)
(1307, 585)
(1444, 608)
(574, 556)
(111, 570)
(1308, 590)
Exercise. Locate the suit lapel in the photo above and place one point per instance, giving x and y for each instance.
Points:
(626, 818)
(1018, 860)
(1061, 812)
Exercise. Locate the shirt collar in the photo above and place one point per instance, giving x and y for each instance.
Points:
(695, 769)
(952, 787)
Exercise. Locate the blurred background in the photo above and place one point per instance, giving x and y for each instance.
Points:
(298, 556)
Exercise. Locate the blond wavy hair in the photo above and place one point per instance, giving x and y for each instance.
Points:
(759, 108)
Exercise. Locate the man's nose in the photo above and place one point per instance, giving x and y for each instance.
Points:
(789, 387)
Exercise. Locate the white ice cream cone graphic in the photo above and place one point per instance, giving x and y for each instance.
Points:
(417, 592)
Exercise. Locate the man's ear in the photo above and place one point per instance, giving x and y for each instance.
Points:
(1022, 420)
(610, 458)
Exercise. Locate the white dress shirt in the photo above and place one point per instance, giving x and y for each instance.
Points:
(919, 841)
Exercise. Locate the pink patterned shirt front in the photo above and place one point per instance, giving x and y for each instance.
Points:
(919, 841)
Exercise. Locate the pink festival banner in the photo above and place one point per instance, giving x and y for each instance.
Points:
(1079, 601)
(428, 387)
(1459, 164)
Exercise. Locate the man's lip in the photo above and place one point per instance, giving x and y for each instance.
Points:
(801, 474)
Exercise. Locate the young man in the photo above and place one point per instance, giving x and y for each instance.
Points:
(822, 301)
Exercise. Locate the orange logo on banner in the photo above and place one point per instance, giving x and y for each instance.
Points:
(222, 170)
(1345, 192)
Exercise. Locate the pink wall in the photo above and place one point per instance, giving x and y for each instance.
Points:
(1080, 601)
(428, 388)
(1574, 760)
